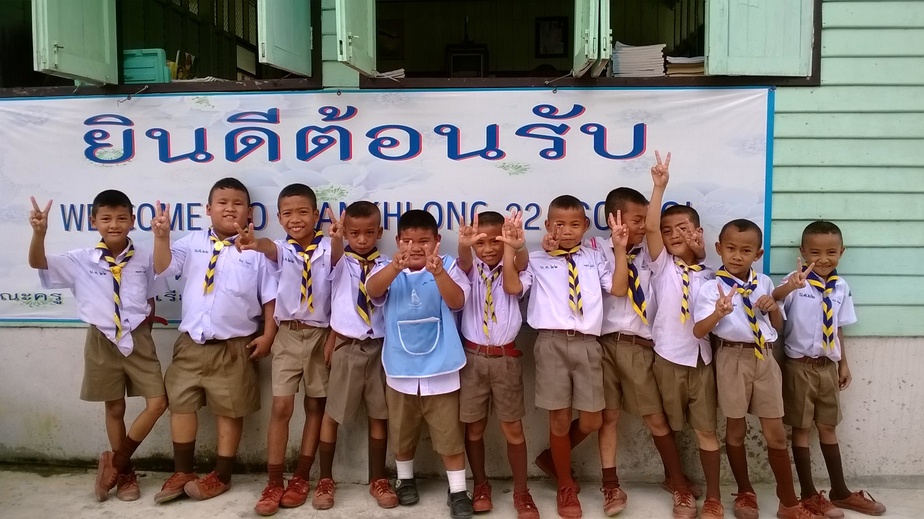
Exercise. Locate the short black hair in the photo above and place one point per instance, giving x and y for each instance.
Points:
(682, 210)
(363, 209)
(111, 198)
(298, 190)
(617, 199)
(417, 219)
(742, 225)
(490, 218)
(229, 183)
(566, 202)
(821, 227)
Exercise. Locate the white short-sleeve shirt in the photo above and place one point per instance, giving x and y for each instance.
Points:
(619, 316)
(344, 318)
(674, 341)
(506, 308)
(288, 269)
(549, 307)
(735, 326)
(802, 333)
(87, 275)
(243, 284)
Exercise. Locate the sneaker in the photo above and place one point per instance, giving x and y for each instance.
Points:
(482, 500)
(684, 505)
(296, 493)
(324, 494)
(206, 488)
(546, 465)
(796, 512)
(614, 500)
(861, 501)
(525, 506)
(746, 505)
(460, 505)
(269, 500)
(712, 509)
(406, 490)
(695, 489)
(568, 505)
(384, 496)
(173, 487)
(819, 505)
(106, 476)
(127, 487)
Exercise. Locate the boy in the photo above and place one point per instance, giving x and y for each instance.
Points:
(682, 363)
(817, 302)
(422, 354)
(113, 284)
(356, 353)
(301, 263)
(738, 309)
(226, 293)
(492, 376)
(566, 308)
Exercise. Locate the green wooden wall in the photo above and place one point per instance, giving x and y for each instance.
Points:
(852, 151)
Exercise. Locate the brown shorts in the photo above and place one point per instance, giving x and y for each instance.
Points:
(571, 370)
(747, 384)
(406, 414)
(109, 375)
(495, 382)
(811, 393)
(298, 360)
(689, 394)
(628, 380)
(217, 374)
(356, 377)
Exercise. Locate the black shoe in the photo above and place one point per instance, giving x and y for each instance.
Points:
(406, 489)
(460, 505)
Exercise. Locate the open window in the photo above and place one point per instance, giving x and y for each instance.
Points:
(75, 40)
(285, 35)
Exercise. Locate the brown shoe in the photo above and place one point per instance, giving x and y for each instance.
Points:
(269, 500)
(481, 500)
(684, 505)
(546, 465)
(525, 506)
(712, 509)
(206, 488)
(127, 487)
(796, 512)
(324, 494)
(819, 505)
(296, 493)
(861, 501)
(384, 496)
(173, 487)
(568, 505)
(614, 500)
(106, 476)
(746, 505)
(695, 489)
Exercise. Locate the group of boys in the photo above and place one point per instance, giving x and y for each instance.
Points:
(630, 323)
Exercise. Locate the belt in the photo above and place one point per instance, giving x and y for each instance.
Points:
(633, 339)
(732, 344)
(348, 340)
(571, 333)
(507, 350)
(815, 361)
(297, 325)
(212, 342)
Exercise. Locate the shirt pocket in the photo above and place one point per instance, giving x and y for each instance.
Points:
(420, 336)
(242, 279)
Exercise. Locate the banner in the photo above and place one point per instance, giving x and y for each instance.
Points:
(452, 153)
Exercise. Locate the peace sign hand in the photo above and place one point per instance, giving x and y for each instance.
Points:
(660, 173)
(468, 234)
(434, 261)
(400, 259)
(38, 218)
(160, 224)
(694, 240)
(512, 234)
(797, 279)
(246, 240)
(551, 239)
(335, 230)
(619, 231)
(724, 305)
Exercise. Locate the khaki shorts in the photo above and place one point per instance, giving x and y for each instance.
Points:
(628, 381)
(689, 394)
(747, 384)
(217, 374)
(298, 360)
(811, 393)
(356, 377)
(570, 369)
(109, 375)
(495, 382)
(406, 414)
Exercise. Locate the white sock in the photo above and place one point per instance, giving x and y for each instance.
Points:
(405, 469)
(456, 481)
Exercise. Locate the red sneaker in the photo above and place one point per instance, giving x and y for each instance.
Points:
(106, 476)
(819, 505)
(862, 502)
(796, 512)
(269, 500)
(684, 505)
(206, 488)
(296, 493)
(695, 489)
(546, 465)
(173, 487)
(481, 502)
(127, 487)
(384, 496)
(614, 500)
(568, 505)
(525, 506)
(746, 506)
(324, 494)
(712, 509)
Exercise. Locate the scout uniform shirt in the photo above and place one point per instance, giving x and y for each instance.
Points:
(735, 326)
(504, 322)
(619, 315)
(288, 270)
(674, 341)
(344, 318)
(549, 307)
(802, 331)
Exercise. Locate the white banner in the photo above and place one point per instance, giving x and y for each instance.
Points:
(452, 153)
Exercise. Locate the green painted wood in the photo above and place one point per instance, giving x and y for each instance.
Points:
(284, 35)
(872, 14)
(873, 71)
(604, 39)
(888, 234)
(888, 321)
(879, 99)
(850, 125)
(338, 75)
(840, 179)
(356, 35)
(872, 42)
(903, 261)
(586, 46)
(328, 22)
(848, 152)
(846, 206)
(76, 40)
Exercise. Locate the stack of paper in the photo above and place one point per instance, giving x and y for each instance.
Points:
(685, 66)
(643, 61)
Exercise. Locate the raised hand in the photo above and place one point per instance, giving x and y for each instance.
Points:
(660, 172)
(434, 261)
(468, 234)
(246, 240)
(400, 259)
(550, 239)
(694, 240)
(160, 224)
(797, 279)
(724, 304)
(335, 230)
(38, 218)
(766, 304)
(619, 232)
(512, 234)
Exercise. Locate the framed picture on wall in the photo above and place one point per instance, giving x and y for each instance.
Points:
(552, 37)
